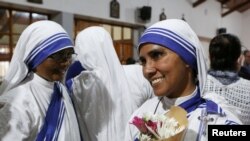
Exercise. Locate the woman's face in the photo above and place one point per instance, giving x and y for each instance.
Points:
(165, 70)
(54, 67)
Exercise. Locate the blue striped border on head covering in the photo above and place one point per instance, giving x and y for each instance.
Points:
(49, 46)
(173, 41)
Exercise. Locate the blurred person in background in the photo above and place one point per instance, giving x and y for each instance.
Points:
(223, 78)
(245, 69)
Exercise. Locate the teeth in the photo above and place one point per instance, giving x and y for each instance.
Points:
(157, 81)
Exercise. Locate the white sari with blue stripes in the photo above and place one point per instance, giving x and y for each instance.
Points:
(33, 108)
(201, 113)
(25, 108)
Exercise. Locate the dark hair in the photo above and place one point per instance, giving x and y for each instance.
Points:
(224, 51)
(130, 61)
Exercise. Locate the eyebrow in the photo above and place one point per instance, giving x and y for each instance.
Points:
(153, 51)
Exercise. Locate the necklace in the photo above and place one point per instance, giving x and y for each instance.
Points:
(158, 104)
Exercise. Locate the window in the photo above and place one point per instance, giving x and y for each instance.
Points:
(12, 24)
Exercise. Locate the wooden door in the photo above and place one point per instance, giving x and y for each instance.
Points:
(124, 50)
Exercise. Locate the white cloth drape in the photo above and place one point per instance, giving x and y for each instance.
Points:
(106, 93)
(24, 110)
(194, 122)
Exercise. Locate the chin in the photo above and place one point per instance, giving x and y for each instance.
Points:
(159, 93)
(58, 78)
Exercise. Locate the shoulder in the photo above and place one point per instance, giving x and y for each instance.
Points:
(243, 80)
(211, 80)
(151, 102)
(87, 78)
(147, 107)
(213, 113)
(242, 86)
(213, 85)
(220, 102)
(223, 113)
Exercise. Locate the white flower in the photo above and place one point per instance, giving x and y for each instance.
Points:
(158, 127)
(144, 138)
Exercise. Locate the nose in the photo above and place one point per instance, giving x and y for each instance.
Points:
(149, 68)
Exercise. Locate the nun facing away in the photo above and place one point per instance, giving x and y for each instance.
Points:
(106, 93)
(34, 103)
(173, 62)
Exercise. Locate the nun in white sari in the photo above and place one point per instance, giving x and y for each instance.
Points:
(106, 93)
(173, 62)
(34, 103)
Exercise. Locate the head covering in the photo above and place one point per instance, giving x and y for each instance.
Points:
(96, 53)
(36, 43)
(96, 50)
(178, 36)
(106, 91)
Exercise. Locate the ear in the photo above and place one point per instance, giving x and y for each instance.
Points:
(240, 62)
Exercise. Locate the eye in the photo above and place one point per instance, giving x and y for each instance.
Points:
(69, 54)
(142, 61)
(155, 55)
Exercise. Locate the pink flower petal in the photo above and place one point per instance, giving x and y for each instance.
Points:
(140, 124)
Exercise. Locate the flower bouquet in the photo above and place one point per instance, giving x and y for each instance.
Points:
(168, 127)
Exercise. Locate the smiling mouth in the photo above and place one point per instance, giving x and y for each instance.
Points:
(60, 71)
(157, 81)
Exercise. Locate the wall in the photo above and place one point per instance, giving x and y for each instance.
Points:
(205, 19)
(245, 30)
(67, 21)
